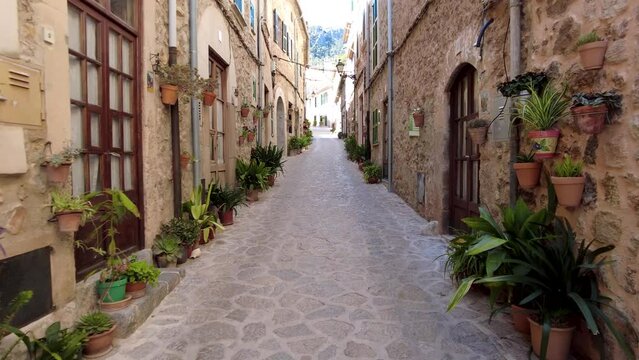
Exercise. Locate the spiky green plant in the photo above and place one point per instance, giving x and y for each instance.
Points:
(543, 111)
(95, 323)
(588, 38)
(568, 168)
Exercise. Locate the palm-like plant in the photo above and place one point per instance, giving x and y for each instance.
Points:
(198, 208)
(252, 175)
(543, 110)
(271, 156)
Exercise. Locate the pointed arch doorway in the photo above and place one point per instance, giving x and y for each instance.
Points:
(281, 124)
(464, 156)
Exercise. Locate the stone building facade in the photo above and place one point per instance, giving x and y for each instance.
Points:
(93, 86)
(436, 65)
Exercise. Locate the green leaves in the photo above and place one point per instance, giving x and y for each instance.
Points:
(461, 291)
(543, 111)
(486, 242)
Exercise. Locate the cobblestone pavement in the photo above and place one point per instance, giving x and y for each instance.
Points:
(322, 267)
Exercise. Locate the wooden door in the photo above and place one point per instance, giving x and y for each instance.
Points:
(464, 157)
(104, 92)
(217, 121)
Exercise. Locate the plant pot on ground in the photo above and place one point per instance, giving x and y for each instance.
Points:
(592, 111)
(71, 211)
(520, 316)
(166, 250)
(568, 181)
(252, 195)
(99, 328)
(272, 156)
(58, 165)
(140, 274)
(372, 173)
(418, 117)
(592, 51)
(478, 131)
(559, 340)
(540, 113)
(527, 170)
(227, 200)
(200, 210)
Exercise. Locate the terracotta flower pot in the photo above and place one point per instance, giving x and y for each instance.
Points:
(271, 180)
(252, 195)
(418, 118)
(69, 221)
(99, 344)
(57, 174)
(373, 180)
(478, 135)
(240, 140)
(569, 189)
(520, 318)
(115, 306)
(169, 94)
(244, 111)
(592, 55)
(208, 98)
(185, 161)
(136, 289)
(265, 114)
(558, 342)
(590, 119)
(527, 174)
(250, 137)
(226, 217)
(544, 142)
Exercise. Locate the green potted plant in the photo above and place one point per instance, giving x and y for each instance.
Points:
(140, 274)
(593, 110)
(110, 213)
(208, 87)
(272, 156)
(418, 117)
(71, 211)
(227, 200)
(372, 173)
(186, 231)
(540, 113)
(166, 250)
(521, 84)
(243, 135)
(245, 108)
(250, 135)
(592, 51)
(252, 176)
(527, 170)
(58, 165)
(199, 209)
(99, 328)
(569, 181)
(294, 146)
(478, 131)
(178, 81)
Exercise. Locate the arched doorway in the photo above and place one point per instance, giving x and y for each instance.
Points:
(464, 156)
(281, 124)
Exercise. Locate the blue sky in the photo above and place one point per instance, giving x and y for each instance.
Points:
(327, 13)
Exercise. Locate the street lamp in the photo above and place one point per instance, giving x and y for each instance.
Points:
(340, 71)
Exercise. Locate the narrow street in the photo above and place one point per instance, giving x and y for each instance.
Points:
(322, 267)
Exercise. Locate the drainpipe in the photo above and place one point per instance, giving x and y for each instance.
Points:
(390, 96)
(195, 111)
(175, 119)
(515, 69)
(260, 85)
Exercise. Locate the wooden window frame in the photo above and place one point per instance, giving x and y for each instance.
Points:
(375, 128)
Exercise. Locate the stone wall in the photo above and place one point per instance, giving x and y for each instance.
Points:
(431, 45)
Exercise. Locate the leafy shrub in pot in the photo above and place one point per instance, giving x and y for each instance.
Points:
(186, 230)
(58, 165)
(71, 211)
(139, 274)
(166, 250)
(226, 200)
(523, 83)
(372, 173)
(592, 51)
(252, 176)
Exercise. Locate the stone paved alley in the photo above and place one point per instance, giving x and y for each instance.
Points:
(322, 267)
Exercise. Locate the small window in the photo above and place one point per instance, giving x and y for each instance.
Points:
(239, 5)
(276, 26)
(252, 15)
(254, 90)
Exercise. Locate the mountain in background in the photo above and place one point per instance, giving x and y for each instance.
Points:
(325, 44)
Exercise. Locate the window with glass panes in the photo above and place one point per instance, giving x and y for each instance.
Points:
(238, 4)
(252, 15)
(374, 34)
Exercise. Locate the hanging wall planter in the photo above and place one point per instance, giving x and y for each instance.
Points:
(58, 166)
(478, 131)
(69, 221)
(185, 160)
(418, 117)
(591, 110)
(208, 98)
(527, 174)
(169, 94)
(250, 136)
(544, 142)
(569, 182)
(592, 51)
